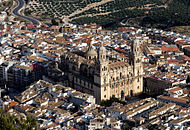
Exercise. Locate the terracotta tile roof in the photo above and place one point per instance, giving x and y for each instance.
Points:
(182, 100)
(13, 103)
(73, 129)
(174, 89)
(169, 49)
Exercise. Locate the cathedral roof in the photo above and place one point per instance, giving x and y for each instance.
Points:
(114, 65)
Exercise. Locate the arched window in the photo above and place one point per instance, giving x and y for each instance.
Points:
(131, 92)
(120, 75)
(138, 60)
(122, 94)
(104, 80)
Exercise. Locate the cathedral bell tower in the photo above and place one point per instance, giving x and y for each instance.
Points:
(102, 65)
(136, 63)
(102, 54)
(136, 56)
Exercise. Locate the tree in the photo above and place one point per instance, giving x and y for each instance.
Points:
(10, 122)
(126, 126)
(109, 102)
(54, 22)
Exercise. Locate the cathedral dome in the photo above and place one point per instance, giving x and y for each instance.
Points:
(91, 52)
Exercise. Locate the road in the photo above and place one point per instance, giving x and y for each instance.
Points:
(16, 12)
(67, 19)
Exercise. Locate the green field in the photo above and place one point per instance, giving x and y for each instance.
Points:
(147, 13)
(182, 29)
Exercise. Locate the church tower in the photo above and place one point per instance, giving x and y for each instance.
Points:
(102, 64)
(102, 54)
(137, 55)
(101, 77)
(137, 65)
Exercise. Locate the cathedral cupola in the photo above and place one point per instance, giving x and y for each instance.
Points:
(91, 53)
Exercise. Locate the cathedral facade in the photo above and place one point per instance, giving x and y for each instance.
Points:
(102, 76)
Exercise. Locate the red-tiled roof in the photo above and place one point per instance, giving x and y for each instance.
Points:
(13, 103)
(174, 89)
(169, 49)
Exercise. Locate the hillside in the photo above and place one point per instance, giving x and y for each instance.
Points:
(12, 122)
(113, 13)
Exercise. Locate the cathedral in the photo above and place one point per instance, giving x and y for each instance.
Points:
(97, 73)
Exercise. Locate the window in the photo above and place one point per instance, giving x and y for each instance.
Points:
(130, 81)
(138, 87)
(120, 75)
(122, 94)
(112, 86)
(104, 88)
(138, 60)
(104, 96)
(121, 83)
(138, 79)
